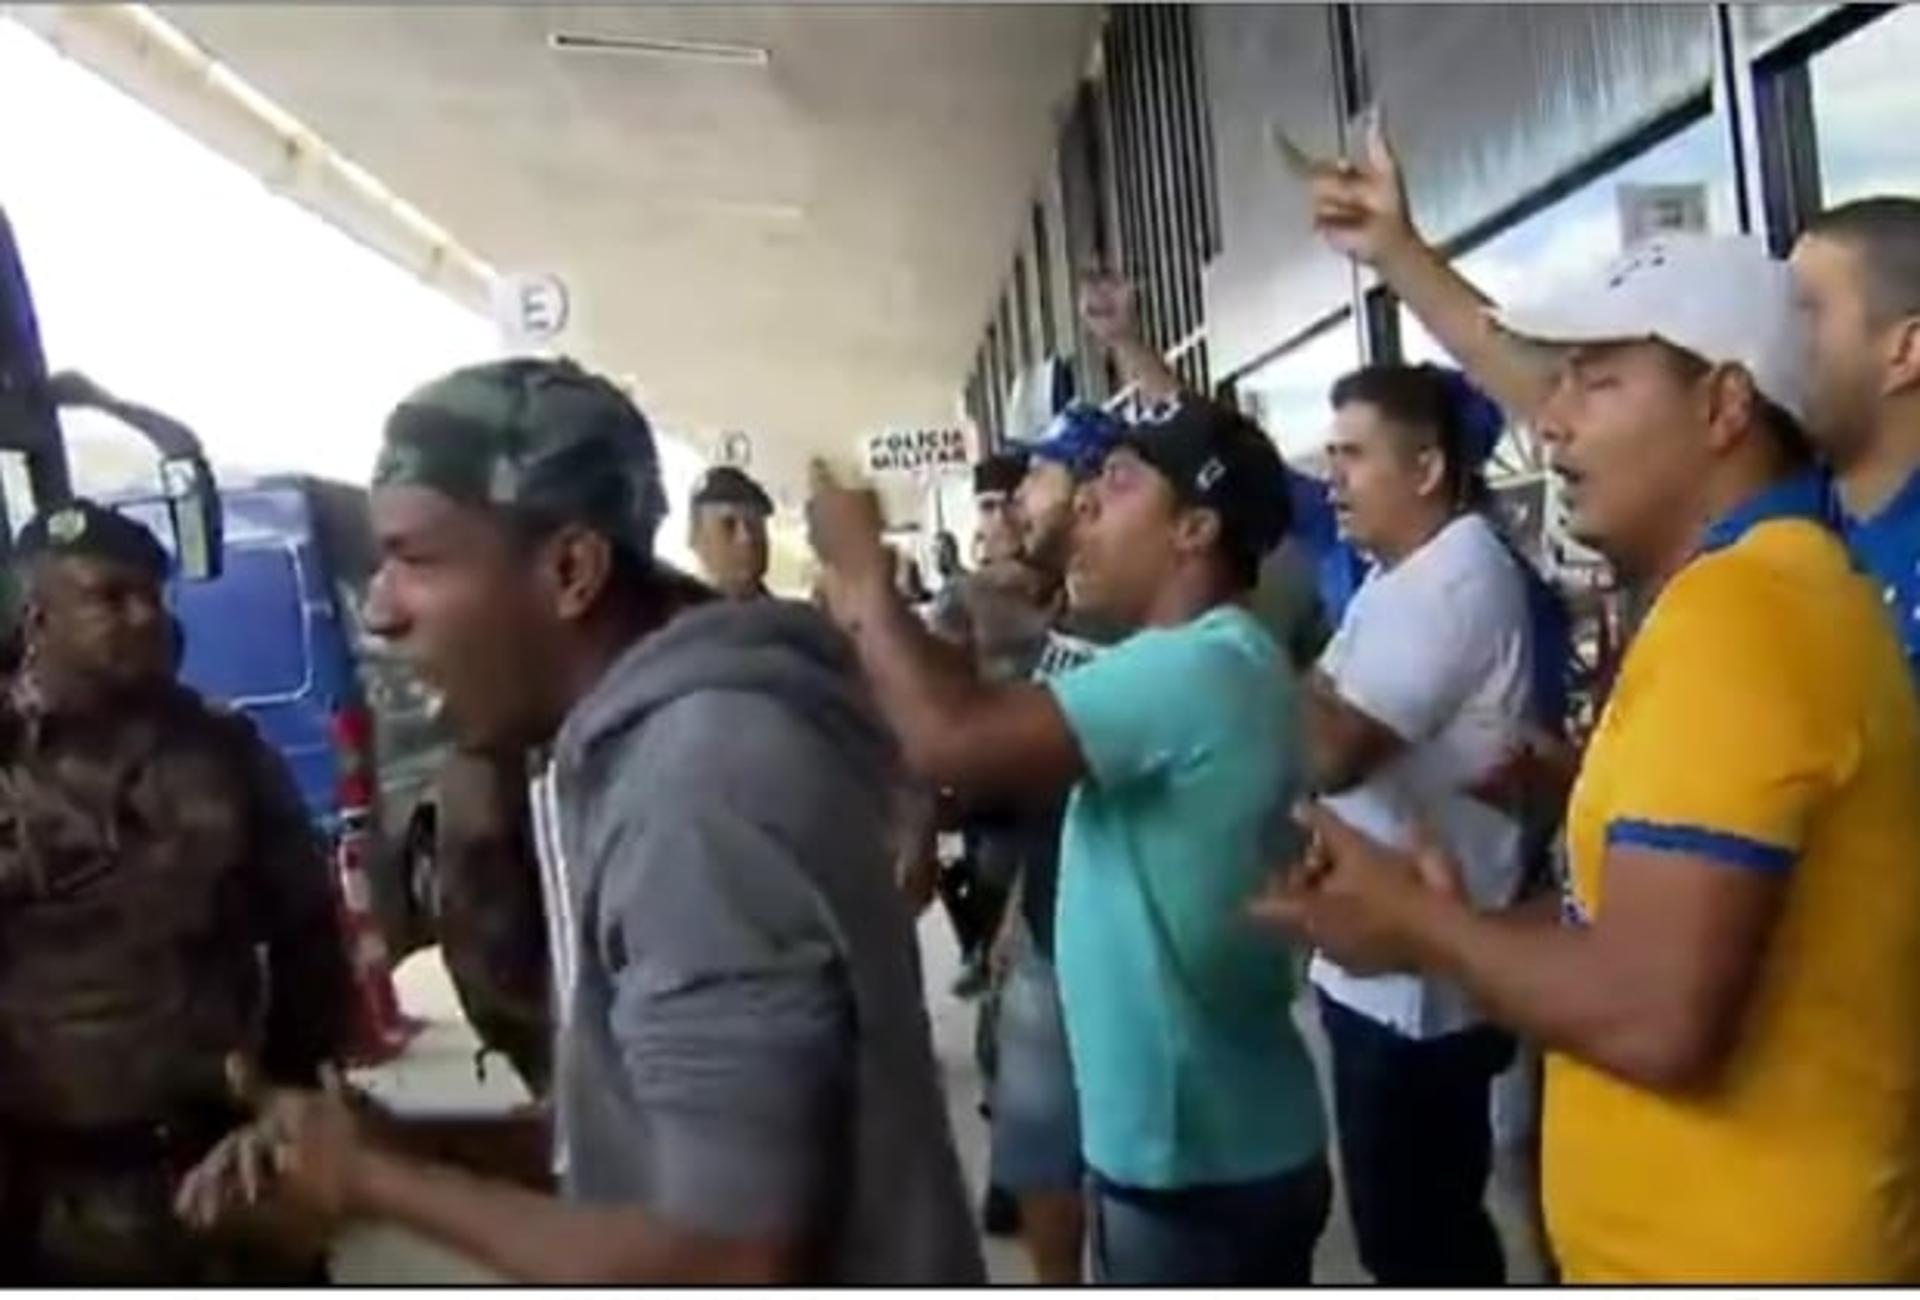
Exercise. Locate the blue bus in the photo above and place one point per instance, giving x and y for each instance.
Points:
(279, 636)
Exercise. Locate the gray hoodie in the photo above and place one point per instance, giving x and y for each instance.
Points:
(746, 1048)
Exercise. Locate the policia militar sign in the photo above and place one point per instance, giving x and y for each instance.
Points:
(916, 451)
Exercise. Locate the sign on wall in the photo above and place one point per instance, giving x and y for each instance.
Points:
(1647, 210)
(530, 308)
(736, 449)
(916, 451)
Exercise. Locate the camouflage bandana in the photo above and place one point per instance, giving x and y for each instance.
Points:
(543, 439)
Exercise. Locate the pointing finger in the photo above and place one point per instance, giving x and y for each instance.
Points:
(1379, 151)
(1298, 160)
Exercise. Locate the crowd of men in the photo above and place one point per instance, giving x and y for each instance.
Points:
(1199, 716)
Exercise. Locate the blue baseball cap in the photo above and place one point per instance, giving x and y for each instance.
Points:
(1479, 419)
(1080, 437)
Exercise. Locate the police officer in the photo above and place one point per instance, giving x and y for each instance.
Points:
(999, 615)
(729, 521)
(164, 903)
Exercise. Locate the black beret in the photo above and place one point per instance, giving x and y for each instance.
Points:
(87, 529)
(728, 485)
(999, 473)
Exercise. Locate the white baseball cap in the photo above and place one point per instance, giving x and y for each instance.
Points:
(1721, 298)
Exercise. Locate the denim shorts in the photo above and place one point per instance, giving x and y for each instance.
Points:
(1036, 1116)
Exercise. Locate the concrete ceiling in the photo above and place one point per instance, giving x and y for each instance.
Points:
(805, 250)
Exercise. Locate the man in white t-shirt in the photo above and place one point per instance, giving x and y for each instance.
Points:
(1421, 693)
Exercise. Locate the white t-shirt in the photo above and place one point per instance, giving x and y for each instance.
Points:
(1438, 650)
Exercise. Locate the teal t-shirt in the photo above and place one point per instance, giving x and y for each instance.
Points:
(1185, 1056)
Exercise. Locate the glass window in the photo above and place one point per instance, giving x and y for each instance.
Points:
(1582, 231)
(1487, 102)
(1288, 395)
(17, 485)
(260, 590)
(1865, 102)
(107, 457)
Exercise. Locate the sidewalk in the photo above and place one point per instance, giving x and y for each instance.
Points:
(437, 1072)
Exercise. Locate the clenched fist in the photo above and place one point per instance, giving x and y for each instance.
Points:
(845, 528)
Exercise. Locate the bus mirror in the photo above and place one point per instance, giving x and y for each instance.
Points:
(193, 497)
(193, 510)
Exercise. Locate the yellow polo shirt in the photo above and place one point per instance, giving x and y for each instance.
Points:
(1762, 719)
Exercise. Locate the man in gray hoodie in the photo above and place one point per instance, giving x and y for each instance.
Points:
(745, 1088)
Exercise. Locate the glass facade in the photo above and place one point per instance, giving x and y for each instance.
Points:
(1866, 107)
(1288, 394)
(1581, 231)
(1486, 103)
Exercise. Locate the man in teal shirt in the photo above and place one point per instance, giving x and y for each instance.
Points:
(1200, 1118)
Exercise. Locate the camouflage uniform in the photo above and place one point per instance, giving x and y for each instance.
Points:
(164, 902)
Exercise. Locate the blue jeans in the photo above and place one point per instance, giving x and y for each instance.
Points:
(1036, 1116)
(1261, 1233)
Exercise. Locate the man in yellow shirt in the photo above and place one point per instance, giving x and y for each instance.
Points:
(1731, 993)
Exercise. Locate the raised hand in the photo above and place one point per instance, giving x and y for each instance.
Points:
(845, 527)
(1359, 208)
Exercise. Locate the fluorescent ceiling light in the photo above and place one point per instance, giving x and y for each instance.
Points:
(760, 209)
(659, 48)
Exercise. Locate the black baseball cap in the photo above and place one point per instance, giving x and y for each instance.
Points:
(1217, 459)
(729, 485)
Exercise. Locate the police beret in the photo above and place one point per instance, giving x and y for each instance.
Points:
(727, 485)
(999, 473)
(87, 529)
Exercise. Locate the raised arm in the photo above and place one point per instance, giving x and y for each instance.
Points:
(1360, 209)
(1107, 308)
(955, 729)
